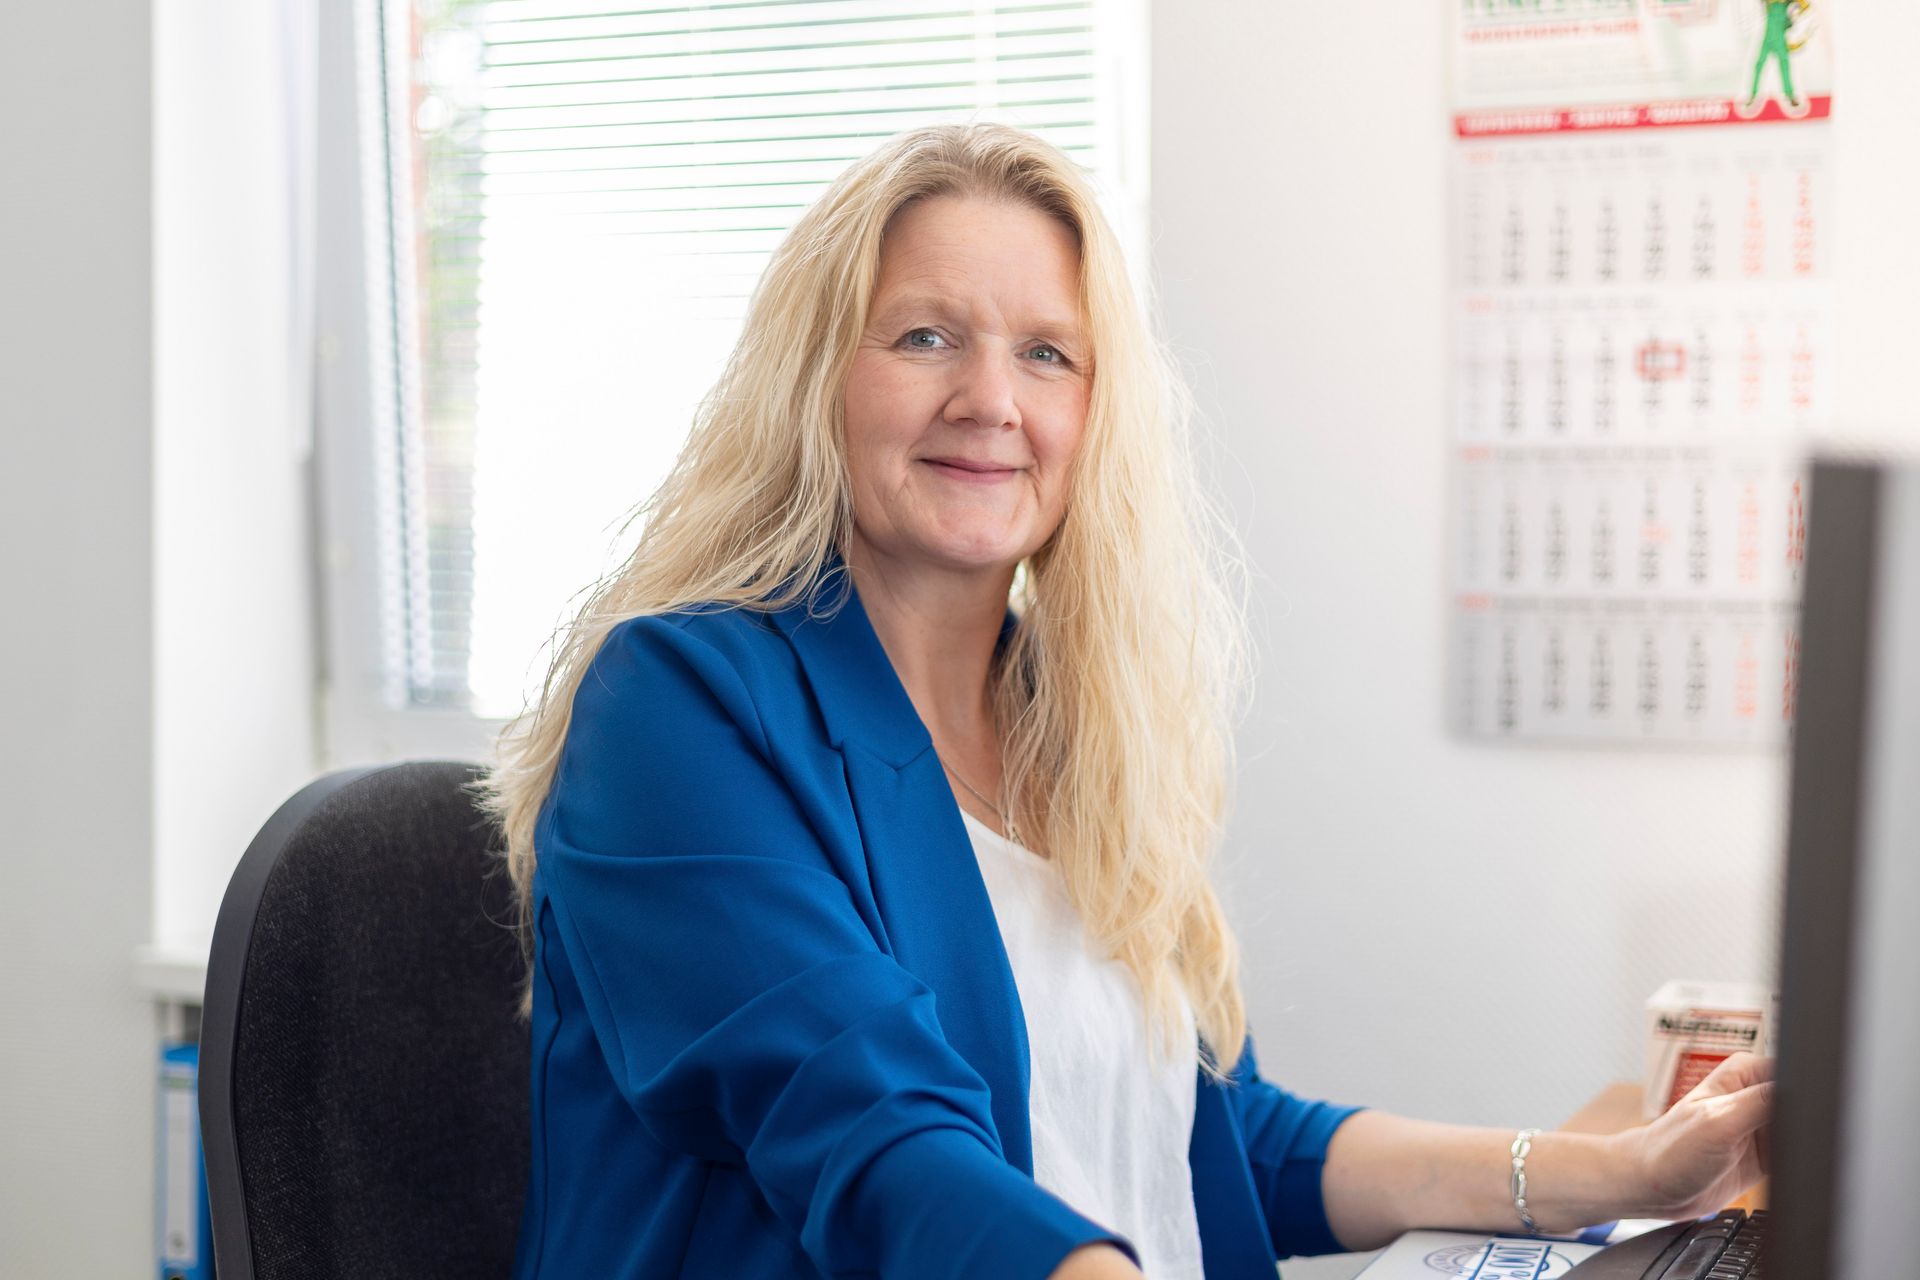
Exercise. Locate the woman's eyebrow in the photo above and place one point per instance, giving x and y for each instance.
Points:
(915, 304)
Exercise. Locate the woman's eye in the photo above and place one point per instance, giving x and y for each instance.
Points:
(913, 339)
(1053, 354)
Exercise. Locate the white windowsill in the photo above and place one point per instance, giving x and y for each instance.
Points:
(175, 975)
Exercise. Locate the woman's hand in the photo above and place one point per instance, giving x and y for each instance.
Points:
(1096, 1262)
(1711, 1145)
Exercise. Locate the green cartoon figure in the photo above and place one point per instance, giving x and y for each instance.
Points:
(1781, 16)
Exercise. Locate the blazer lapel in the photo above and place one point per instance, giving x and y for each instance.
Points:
(920, 863)
(1234, 1241)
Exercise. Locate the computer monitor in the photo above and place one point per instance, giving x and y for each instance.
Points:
(1846, 1130)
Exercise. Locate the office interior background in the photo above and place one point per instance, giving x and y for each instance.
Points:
(1447, 929)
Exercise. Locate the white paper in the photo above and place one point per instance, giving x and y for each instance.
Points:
(1427, 1255)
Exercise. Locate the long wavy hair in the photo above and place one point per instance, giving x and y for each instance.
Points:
(1116, 695)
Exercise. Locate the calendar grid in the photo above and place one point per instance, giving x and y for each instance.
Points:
(1642, 350)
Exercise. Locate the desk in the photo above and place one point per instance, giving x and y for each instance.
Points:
(1613, 1109)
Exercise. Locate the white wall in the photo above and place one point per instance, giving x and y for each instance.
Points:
(76, 678)
(233, 630)
(1877, 193)
(155, 659)
(1453, 931)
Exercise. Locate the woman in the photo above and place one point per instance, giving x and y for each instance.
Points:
(870, 922)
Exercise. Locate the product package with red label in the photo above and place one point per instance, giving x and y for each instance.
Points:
(1692, 1027)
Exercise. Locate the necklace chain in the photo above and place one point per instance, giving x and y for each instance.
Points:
(1006, 819)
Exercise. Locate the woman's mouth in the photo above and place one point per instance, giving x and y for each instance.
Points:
(968, 471)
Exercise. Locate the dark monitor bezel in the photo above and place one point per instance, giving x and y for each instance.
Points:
(1822, 864)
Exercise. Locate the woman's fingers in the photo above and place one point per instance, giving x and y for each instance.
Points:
(1736, 1073)
(1709, 1147)
(1726, 1119)
(1748, 1110)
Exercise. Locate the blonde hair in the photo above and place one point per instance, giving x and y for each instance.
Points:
(1116, 695)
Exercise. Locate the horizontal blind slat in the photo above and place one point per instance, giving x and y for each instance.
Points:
(727, 22)
(510, 91)
(506, 108)
(782, 56)
(796, 104)
(835, 122)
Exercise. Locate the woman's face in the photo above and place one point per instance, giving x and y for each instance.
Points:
(967, 395)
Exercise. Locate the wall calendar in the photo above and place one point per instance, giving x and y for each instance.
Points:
(1641, 232)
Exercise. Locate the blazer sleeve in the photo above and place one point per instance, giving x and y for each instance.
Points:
(746, 1011)
(1287, 1141)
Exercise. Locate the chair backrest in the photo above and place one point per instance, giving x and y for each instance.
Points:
(363, 1070)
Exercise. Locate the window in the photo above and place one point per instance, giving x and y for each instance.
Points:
(562, 208)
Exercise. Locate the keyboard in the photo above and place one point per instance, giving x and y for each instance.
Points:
(1727, 1247)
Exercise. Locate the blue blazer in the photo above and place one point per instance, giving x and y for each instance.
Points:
(775, 1033)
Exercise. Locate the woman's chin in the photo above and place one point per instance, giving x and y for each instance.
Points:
(959, 546)
(970, 555)
(977, 559)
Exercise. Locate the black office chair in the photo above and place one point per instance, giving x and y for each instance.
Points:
(363, 1073)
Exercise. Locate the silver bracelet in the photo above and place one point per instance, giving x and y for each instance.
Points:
(1517, 1180)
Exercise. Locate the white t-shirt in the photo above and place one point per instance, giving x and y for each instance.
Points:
(1110, 1126)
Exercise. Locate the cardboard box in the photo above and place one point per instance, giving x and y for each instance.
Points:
(1692, 1027)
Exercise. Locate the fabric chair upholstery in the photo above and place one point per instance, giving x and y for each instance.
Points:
(363, 1076)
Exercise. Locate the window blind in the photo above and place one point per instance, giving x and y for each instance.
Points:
(582, 196)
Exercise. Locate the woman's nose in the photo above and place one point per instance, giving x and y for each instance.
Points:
(983, 393)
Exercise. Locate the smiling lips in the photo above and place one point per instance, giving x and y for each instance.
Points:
(970, 472)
